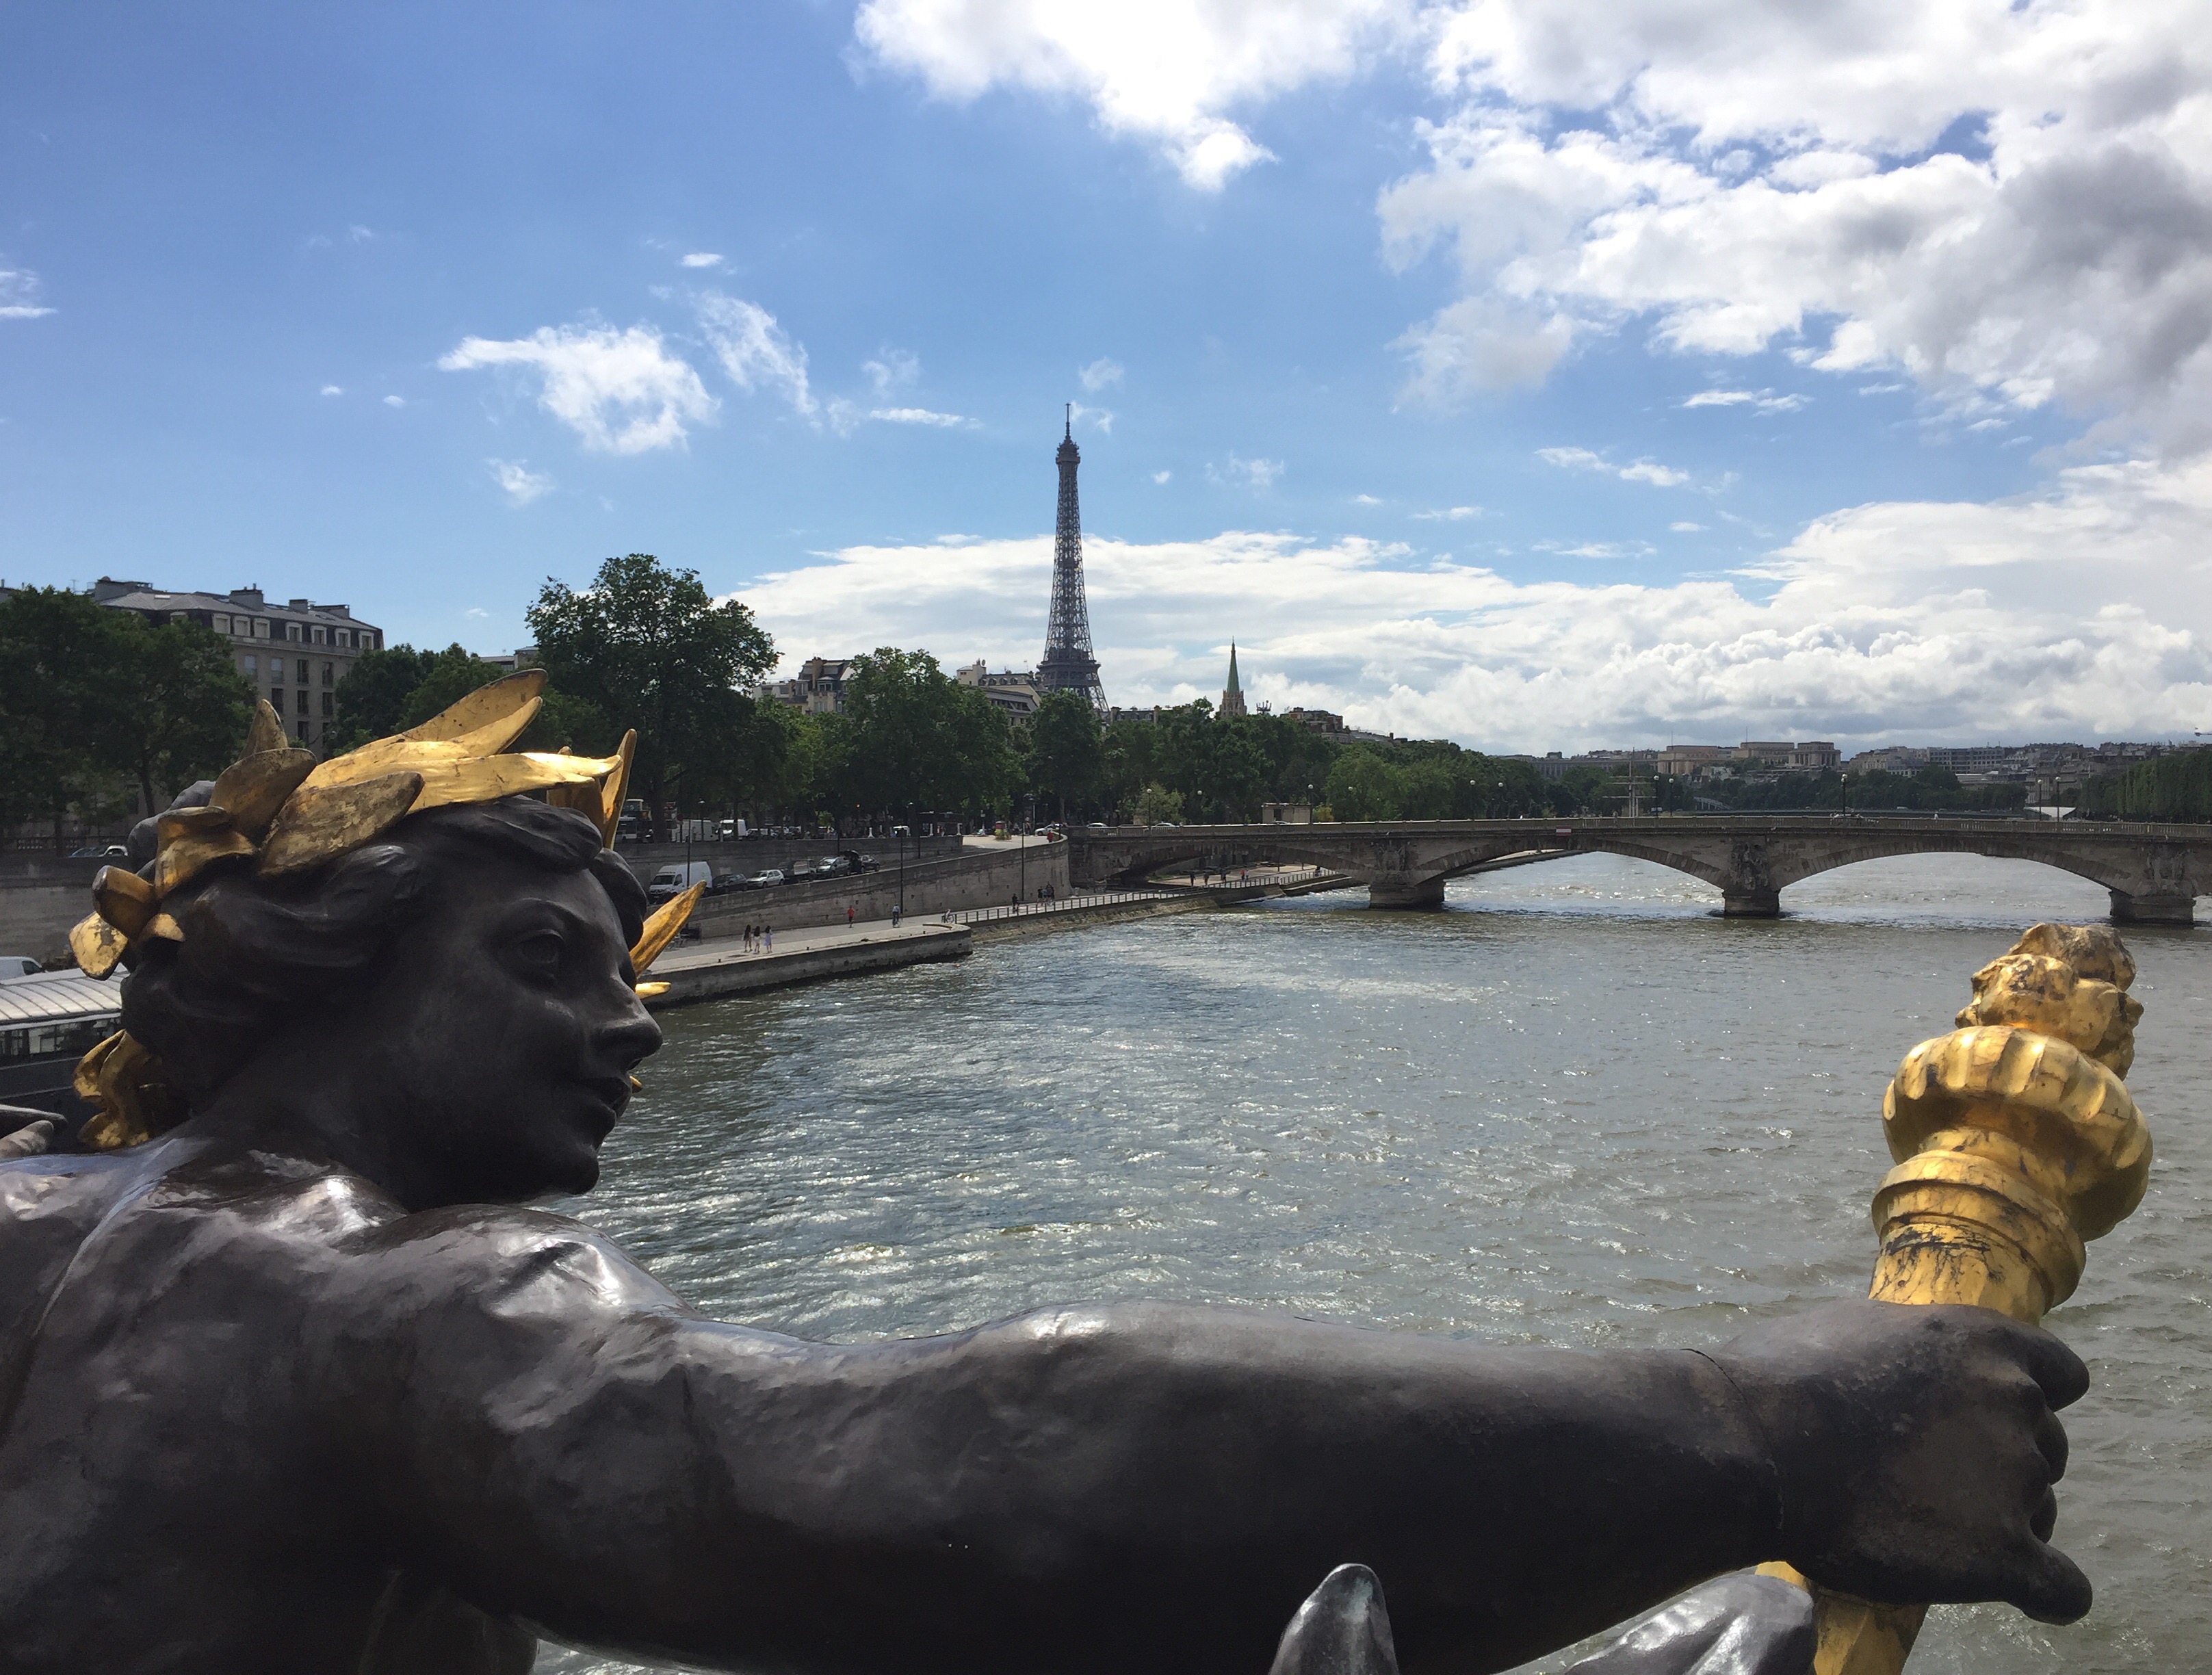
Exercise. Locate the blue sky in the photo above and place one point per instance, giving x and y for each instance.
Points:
(1540, 376)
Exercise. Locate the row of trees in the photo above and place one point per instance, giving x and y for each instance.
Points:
(2170, 787)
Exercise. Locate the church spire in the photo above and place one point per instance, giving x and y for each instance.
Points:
(1232, 695)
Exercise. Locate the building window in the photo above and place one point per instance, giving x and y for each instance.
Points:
(342, 636)
(303, 672)
(316, 635)
(303, 708)
(276, 699)
(330, 674)
(326, 704)
(221, 623)
(261, 628)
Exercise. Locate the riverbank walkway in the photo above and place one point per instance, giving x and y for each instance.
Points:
(721, 966)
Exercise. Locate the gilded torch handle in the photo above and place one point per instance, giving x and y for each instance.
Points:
(2015, 1141)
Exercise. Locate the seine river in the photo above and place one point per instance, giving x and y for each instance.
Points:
(1574, 1107)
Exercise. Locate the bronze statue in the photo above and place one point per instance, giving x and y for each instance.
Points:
(291, 1381)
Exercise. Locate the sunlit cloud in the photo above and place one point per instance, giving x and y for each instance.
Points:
(620, 393)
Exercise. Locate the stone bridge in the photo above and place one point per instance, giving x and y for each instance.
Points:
(2154, 873)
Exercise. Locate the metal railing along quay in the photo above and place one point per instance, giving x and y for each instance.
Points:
(1105, 898)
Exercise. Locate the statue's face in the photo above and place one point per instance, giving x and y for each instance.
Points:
(500, 1037)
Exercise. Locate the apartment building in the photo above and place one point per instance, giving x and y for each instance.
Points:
(294, 654)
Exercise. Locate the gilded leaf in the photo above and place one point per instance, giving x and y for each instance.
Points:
(255, 787)
(183, 857)
(124, 900)
(513, 699)
(322, 821)
(661, 928)
(97, 945)
(267, 731)
(481, 779)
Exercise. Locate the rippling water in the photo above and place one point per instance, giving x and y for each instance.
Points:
(1576, 1108)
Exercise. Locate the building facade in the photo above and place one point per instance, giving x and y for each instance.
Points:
(818, 687)
(294, 654)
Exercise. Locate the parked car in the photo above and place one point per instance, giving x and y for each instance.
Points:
(677, 877)
(18, 965)
(768, 880)
(100, 852)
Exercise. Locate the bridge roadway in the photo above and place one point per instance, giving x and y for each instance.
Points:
(2154, 873)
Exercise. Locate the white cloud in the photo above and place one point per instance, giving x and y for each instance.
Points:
(1099, 373)
(19, 295)
(921, 416)
(2044, 617)
(1257, 475)
(521, 484)
(1765, 401)
(395, 401)
(1162, 476)
(1684, 527)
(1452, 513)
(332, 390)
(1365, 500)
(1643, 471)
(622, 392)
(1164, 71)
(755, 350)
(703, 259)
(1744, 178)
(892, 369)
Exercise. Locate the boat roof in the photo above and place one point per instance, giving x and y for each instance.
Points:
(47, 996)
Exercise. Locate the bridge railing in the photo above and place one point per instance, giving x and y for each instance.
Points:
(1106, 898)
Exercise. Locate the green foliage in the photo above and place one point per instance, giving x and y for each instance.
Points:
(1155, 804)
(93, 699)
(913, 737)
(371, 699)
(647, 648)
(1931, 788)
(2177, 786)
(1066, 751)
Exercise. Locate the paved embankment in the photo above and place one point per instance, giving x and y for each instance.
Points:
(710, 970)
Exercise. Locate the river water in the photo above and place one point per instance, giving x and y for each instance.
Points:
(1574, 1107)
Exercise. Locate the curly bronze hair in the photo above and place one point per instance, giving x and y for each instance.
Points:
(256, 950)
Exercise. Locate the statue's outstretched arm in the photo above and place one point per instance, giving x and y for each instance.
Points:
(1109, 1487)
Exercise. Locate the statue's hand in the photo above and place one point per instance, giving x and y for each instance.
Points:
(28, 1141)
(1915, 1449)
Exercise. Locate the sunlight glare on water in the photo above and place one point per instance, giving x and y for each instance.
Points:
(1576, 1107)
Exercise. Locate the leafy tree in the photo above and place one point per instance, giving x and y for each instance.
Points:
(913, 737)
(57, 648)
(371, 699)
(648, 648)
(1362, 785)
(1155, 804)
(174, 707)
(1067, 757)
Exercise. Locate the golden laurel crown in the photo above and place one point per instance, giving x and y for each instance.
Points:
(283, 812)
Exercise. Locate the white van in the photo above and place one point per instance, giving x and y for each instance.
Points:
(677, 877)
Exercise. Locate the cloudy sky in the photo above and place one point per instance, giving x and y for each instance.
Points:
(1542, 373)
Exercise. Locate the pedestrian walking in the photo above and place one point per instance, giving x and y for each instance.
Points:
(896, 911)
(848, 915)
(767, 938)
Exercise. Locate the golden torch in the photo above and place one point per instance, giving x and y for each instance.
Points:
(2015, 1140)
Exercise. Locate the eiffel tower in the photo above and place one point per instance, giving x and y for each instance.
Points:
(1067, 665)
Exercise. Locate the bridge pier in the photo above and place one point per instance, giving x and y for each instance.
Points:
(1751, 904)
(2152, 909)
(1419, 893)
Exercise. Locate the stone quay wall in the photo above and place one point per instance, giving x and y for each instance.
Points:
(977, 877)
